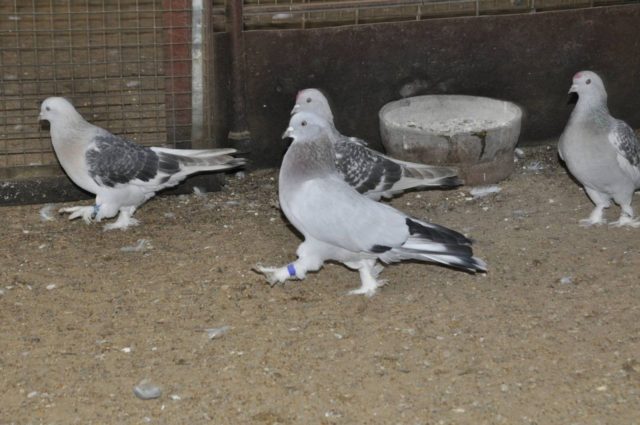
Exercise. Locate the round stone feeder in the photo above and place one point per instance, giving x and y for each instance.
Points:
(475, 134)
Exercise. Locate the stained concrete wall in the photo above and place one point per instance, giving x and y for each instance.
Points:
(528, 59)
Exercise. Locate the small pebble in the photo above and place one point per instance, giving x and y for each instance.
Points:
(51, 286)
(126, 350)
(145, 390)
(175, 397)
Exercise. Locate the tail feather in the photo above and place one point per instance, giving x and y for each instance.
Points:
(431, 242)
(191, 161)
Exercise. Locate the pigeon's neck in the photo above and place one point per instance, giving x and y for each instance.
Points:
(306, 160)
(592, 110)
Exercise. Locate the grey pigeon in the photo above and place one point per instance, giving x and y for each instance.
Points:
(122, 174)
(340, 224)
(601, 152)
(369, 172)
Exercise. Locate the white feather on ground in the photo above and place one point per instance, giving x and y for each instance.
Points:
(482, 191)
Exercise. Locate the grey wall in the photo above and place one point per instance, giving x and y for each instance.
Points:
(528, 59)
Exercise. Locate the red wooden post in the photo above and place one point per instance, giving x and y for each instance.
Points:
(176, 20)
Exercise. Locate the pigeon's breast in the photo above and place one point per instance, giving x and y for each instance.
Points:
(591, 159)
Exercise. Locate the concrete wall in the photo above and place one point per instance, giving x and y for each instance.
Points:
(528, 59)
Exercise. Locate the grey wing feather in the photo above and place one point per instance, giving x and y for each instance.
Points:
(364, 169)
(623, 138)
(113, 160)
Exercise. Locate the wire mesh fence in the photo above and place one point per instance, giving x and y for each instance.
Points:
(280, 14)
(125, 64)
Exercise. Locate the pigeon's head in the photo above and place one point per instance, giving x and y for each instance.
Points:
(55, 109)
(588, 84)
(312, 100)
(305, 126)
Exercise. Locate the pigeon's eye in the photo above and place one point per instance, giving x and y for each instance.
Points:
(588, 81)
(308, 100)
(304, 123)
(47, 108)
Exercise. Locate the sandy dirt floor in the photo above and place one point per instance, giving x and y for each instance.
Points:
(551, 335)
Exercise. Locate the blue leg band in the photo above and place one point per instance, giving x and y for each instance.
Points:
(291, 270)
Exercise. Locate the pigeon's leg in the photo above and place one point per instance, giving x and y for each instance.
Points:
(626, 215)
(602, 201)
(87, 213)
(369, 272)
(125, 219)
(308, 261)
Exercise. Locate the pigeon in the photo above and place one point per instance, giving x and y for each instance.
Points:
(601, 152)
(340, 224)
(369, 172)
(122, 174)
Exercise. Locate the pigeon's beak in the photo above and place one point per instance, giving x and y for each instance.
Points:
(295, 109)
(40, 118)
(288, 133)
(573, 89)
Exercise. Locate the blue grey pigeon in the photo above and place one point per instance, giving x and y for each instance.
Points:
(601, 152)
(122, 174)
(371, 173)
(340, 224)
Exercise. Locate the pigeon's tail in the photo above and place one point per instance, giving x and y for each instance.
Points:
(430, 175)
(415, 176)
(183, 162)
(438, 244)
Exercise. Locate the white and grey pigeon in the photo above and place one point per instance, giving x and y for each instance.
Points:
(122, 174)
(369, 172)
(340, 224)
(602, 153)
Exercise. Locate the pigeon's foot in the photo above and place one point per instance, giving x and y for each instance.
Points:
(369, 290)
(625, 220)
(123, 222)
(273, 274)
(370, 283)
(86, 213)
(588, 222)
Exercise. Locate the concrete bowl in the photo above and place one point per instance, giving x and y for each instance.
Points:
(475, 134)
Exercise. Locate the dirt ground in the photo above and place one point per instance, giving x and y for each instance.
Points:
(550, 335)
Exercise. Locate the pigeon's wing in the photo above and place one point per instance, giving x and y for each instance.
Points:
(330, 211)
(112, 161)
(363, 169)
(626, 143)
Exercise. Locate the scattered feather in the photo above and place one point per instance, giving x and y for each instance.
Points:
(143, 245)
(199, 192)
(46, 213)
(169, 215)
(215, 333)
(566, 280)
(240, 175)
(145, 390)
(175, 397)
(519, 153)
(51, 286)
(535, 166)
(482, 191)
